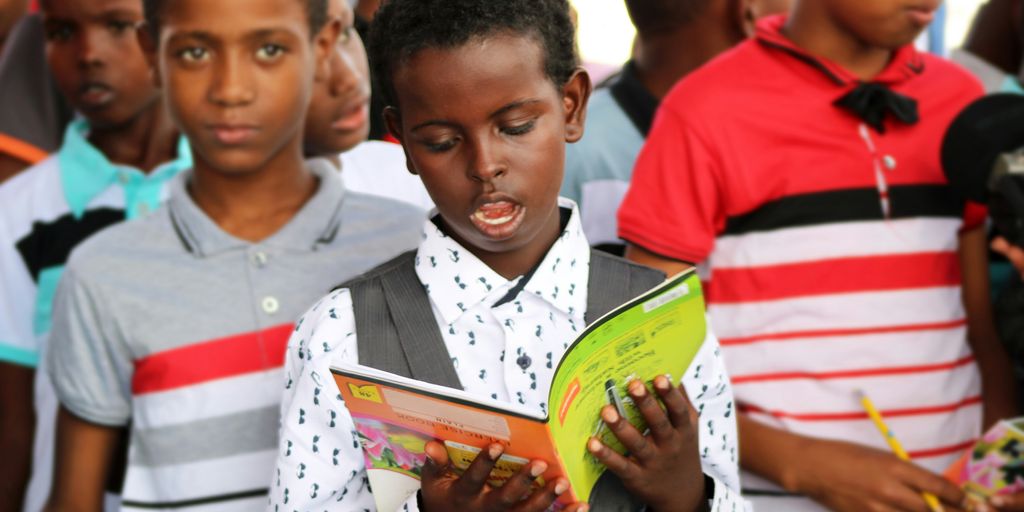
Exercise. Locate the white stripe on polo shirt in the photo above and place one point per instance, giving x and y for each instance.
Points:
(193, 359)
(847, 240)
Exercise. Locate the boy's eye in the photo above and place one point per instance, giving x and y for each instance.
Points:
(520, 129)
(120, 27)
(439, 147)
(193, 54)
(269, 51)
(61, 32)
(346, 35)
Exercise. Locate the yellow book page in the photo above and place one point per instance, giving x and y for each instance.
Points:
(658, 333)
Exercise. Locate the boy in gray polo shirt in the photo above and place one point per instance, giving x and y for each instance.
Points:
(178, 324)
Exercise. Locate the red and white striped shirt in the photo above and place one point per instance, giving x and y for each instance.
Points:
(830, 249)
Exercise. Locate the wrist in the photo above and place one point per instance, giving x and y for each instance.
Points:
(689, 503)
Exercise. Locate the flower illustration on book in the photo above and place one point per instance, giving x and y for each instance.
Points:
(392, 448)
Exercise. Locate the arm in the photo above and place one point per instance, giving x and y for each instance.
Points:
(999, 395)
(84, 457)
(9, 166)
(17, 430)
(667, 265)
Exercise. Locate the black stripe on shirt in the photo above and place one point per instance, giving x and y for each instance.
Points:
(49, 244)
(849, 205)
(194, 502)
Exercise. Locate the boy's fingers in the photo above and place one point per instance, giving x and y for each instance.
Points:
(542, 498)
(519, 485)
(675, 400)
(636, 443)
(1008, 502)
(437, 461)
(657, 421)
(621, 466)
(925, 481)
(473, 479)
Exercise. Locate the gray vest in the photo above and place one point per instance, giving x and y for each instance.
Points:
(392, 309)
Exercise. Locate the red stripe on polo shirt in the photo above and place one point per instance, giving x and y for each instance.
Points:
(861, 415)
(941, 450)
(847, 374)
(205, 361)
(845, 275)
(827, 333)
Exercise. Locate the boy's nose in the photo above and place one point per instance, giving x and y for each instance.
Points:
(231, 86)
(346, 77)
(485, 165)
(91, 47)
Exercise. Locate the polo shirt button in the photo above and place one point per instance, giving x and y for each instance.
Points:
(270, 305)
(889, 162)
(123, 177)
(260, 259)
(143, 209)
(524, 361)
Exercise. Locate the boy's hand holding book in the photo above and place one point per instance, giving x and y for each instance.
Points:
(663, 468)
(443, 489)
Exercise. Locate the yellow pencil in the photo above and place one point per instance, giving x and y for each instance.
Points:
(897, 448)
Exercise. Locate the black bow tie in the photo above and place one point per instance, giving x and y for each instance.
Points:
(872, 101)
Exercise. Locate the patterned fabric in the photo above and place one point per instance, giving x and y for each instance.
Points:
(45, 212)
(504, 336)
(178, 328)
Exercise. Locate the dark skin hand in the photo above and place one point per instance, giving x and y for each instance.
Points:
(663, 467)
(442, 489)
(17, 429)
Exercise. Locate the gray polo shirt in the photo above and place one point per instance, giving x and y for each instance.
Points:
(175, 327)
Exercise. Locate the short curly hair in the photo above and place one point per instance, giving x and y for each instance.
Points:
(316, 10)
(402, 28)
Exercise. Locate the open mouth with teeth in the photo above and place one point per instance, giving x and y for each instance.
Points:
(498, 219)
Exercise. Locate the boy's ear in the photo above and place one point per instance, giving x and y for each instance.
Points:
(325, 43)
(745, 16)
(393, 121)
(147, 41)
(575, 95)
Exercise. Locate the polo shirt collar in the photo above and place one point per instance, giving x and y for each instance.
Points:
(560, 279)
(906, 63)
(316, 223)
(86, 172)
(633, 98)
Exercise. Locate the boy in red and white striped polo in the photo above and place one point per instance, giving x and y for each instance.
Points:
(802, 170)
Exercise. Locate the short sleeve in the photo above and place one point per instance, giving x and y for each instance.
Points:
(18, 343)
(975, 215)
(88, 362)
(674, 207)
(319, 459)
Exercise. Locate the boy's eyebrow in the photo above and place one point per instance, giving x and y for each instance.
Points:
(200, 35)
(514, 105)
(511, 106)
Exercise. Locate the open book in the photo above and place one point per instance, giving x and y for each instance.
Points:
(995, 464)
(656, 333)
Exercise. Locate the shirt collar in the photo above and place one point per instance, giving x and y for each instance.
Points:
(456, 280)
(316, 223)
(635, 100)
(86, 172)
(906, 63)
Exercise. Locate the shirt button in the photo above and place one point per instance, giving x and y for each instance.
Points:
(260, 259)
(889, 162)
(143, 209)
(123, 177)
(524, 361)
(270, 305)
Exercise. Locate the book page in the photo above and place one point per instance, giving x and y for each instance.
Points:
(659, 333)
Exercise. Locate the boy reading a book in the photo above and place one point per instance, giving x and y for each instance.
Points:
(114, 164)
(175, 326)
(484, 96)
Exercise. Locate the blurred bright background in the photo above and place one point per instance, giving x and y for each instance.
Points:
(606, 34)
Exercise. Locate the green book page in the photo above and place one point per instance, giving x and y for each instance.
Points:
(658, 333)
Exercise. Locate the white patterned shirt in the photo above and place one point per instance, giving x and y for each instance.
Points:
(507, 352)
